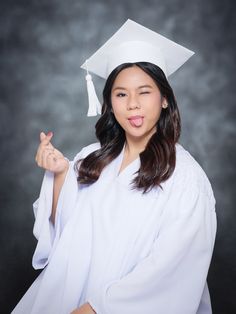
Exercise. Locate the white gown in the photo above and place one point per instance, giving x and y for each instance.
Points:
(122, 251)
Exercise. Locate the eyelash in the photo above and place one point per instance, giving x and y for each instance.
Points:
(145, 93)
(123, 94)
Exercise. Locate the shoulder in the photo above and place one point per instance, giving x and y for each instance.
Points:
(189, 175)
(85, 151)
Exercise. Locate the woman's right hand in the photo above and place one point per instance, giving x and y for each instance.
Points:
(48, 157)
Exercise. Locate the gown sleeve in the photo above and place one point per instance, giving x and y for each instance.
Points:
(172, 278)
(45, 232)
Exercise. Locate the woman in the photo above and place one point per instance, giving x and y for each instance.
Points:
(129, 225)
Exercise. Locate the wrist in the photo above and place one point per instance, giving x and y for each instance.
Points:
(63, 172)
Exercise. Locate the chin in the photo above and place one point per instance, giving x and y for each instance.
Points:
(138, 135)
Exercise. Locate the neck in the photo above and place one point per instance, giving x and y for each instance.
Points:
(135, 146)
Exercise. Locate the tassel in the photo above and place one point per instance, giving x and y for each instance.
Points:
(94, 103)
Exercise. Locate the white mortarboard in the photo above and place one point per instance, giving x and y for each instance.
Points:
(133, 43)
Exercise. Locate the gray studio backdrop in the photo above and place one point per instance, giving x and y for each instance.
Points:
(42, 45)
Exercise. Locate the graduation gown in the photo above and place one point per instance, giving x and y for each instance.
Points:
(123, 251)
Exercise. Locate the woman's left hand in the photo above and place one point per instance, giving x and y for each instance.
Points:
(84, 309)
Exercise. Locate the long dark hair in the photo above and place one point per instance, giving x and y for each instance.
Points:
(157, 161)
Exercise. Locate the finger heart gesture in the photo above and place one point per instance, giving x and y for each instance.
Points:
(48, 157)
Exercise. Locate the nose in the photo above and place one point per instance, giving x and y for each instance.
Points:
(133, 103)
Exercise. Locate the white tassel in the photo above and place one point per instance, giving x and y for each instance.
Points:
(94, 103)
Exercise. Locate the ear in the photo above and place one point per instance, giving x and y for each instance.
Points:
(164, 103)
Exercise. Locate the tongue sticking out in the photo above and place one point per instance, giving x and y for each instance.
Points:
(136, 122)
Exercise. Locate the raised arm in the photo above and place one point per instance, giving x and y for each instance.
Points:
(51, 159)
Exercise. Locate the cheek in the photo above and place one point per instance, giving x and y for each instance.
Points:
(117, 105)
(154, 108)
(113, 103)
(158, 112)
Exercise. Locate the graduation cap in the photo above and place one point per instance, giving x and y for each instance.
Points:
(132, 43)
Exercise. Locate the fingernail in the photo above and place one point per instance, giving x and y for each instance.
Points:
(50, 133)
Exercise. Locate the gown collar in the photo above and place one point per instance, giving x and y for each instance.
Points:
(129, 172)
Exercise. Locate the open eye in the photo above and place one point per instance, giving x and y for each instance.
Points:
(121, 95)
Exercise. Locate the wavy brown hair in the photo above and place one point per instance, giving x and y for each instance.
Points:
(157, 161)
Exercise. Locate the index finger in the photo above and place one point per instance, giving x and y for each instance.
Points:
(45, 139)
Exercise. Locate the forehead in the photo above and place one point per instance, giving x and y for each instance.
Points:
(133, 76)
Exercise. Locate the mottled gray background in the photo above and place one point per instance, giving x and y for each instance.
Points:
(42, 44)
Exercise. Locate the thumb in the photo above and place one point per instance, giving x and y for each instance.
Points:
(46, 138)
(42, 136)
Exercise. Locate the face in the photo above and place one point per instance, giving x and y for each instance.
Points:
(136, 103)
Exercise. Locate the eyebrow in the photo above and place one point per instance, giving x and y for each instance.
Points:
(142, 86)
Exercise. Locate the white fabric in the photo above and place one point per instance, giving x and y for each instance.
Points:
(94, 103)
(120, 250)
(173, 54)
(135, 51)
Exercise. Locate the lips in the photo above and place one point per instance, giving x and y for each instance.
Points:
(136, 121)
